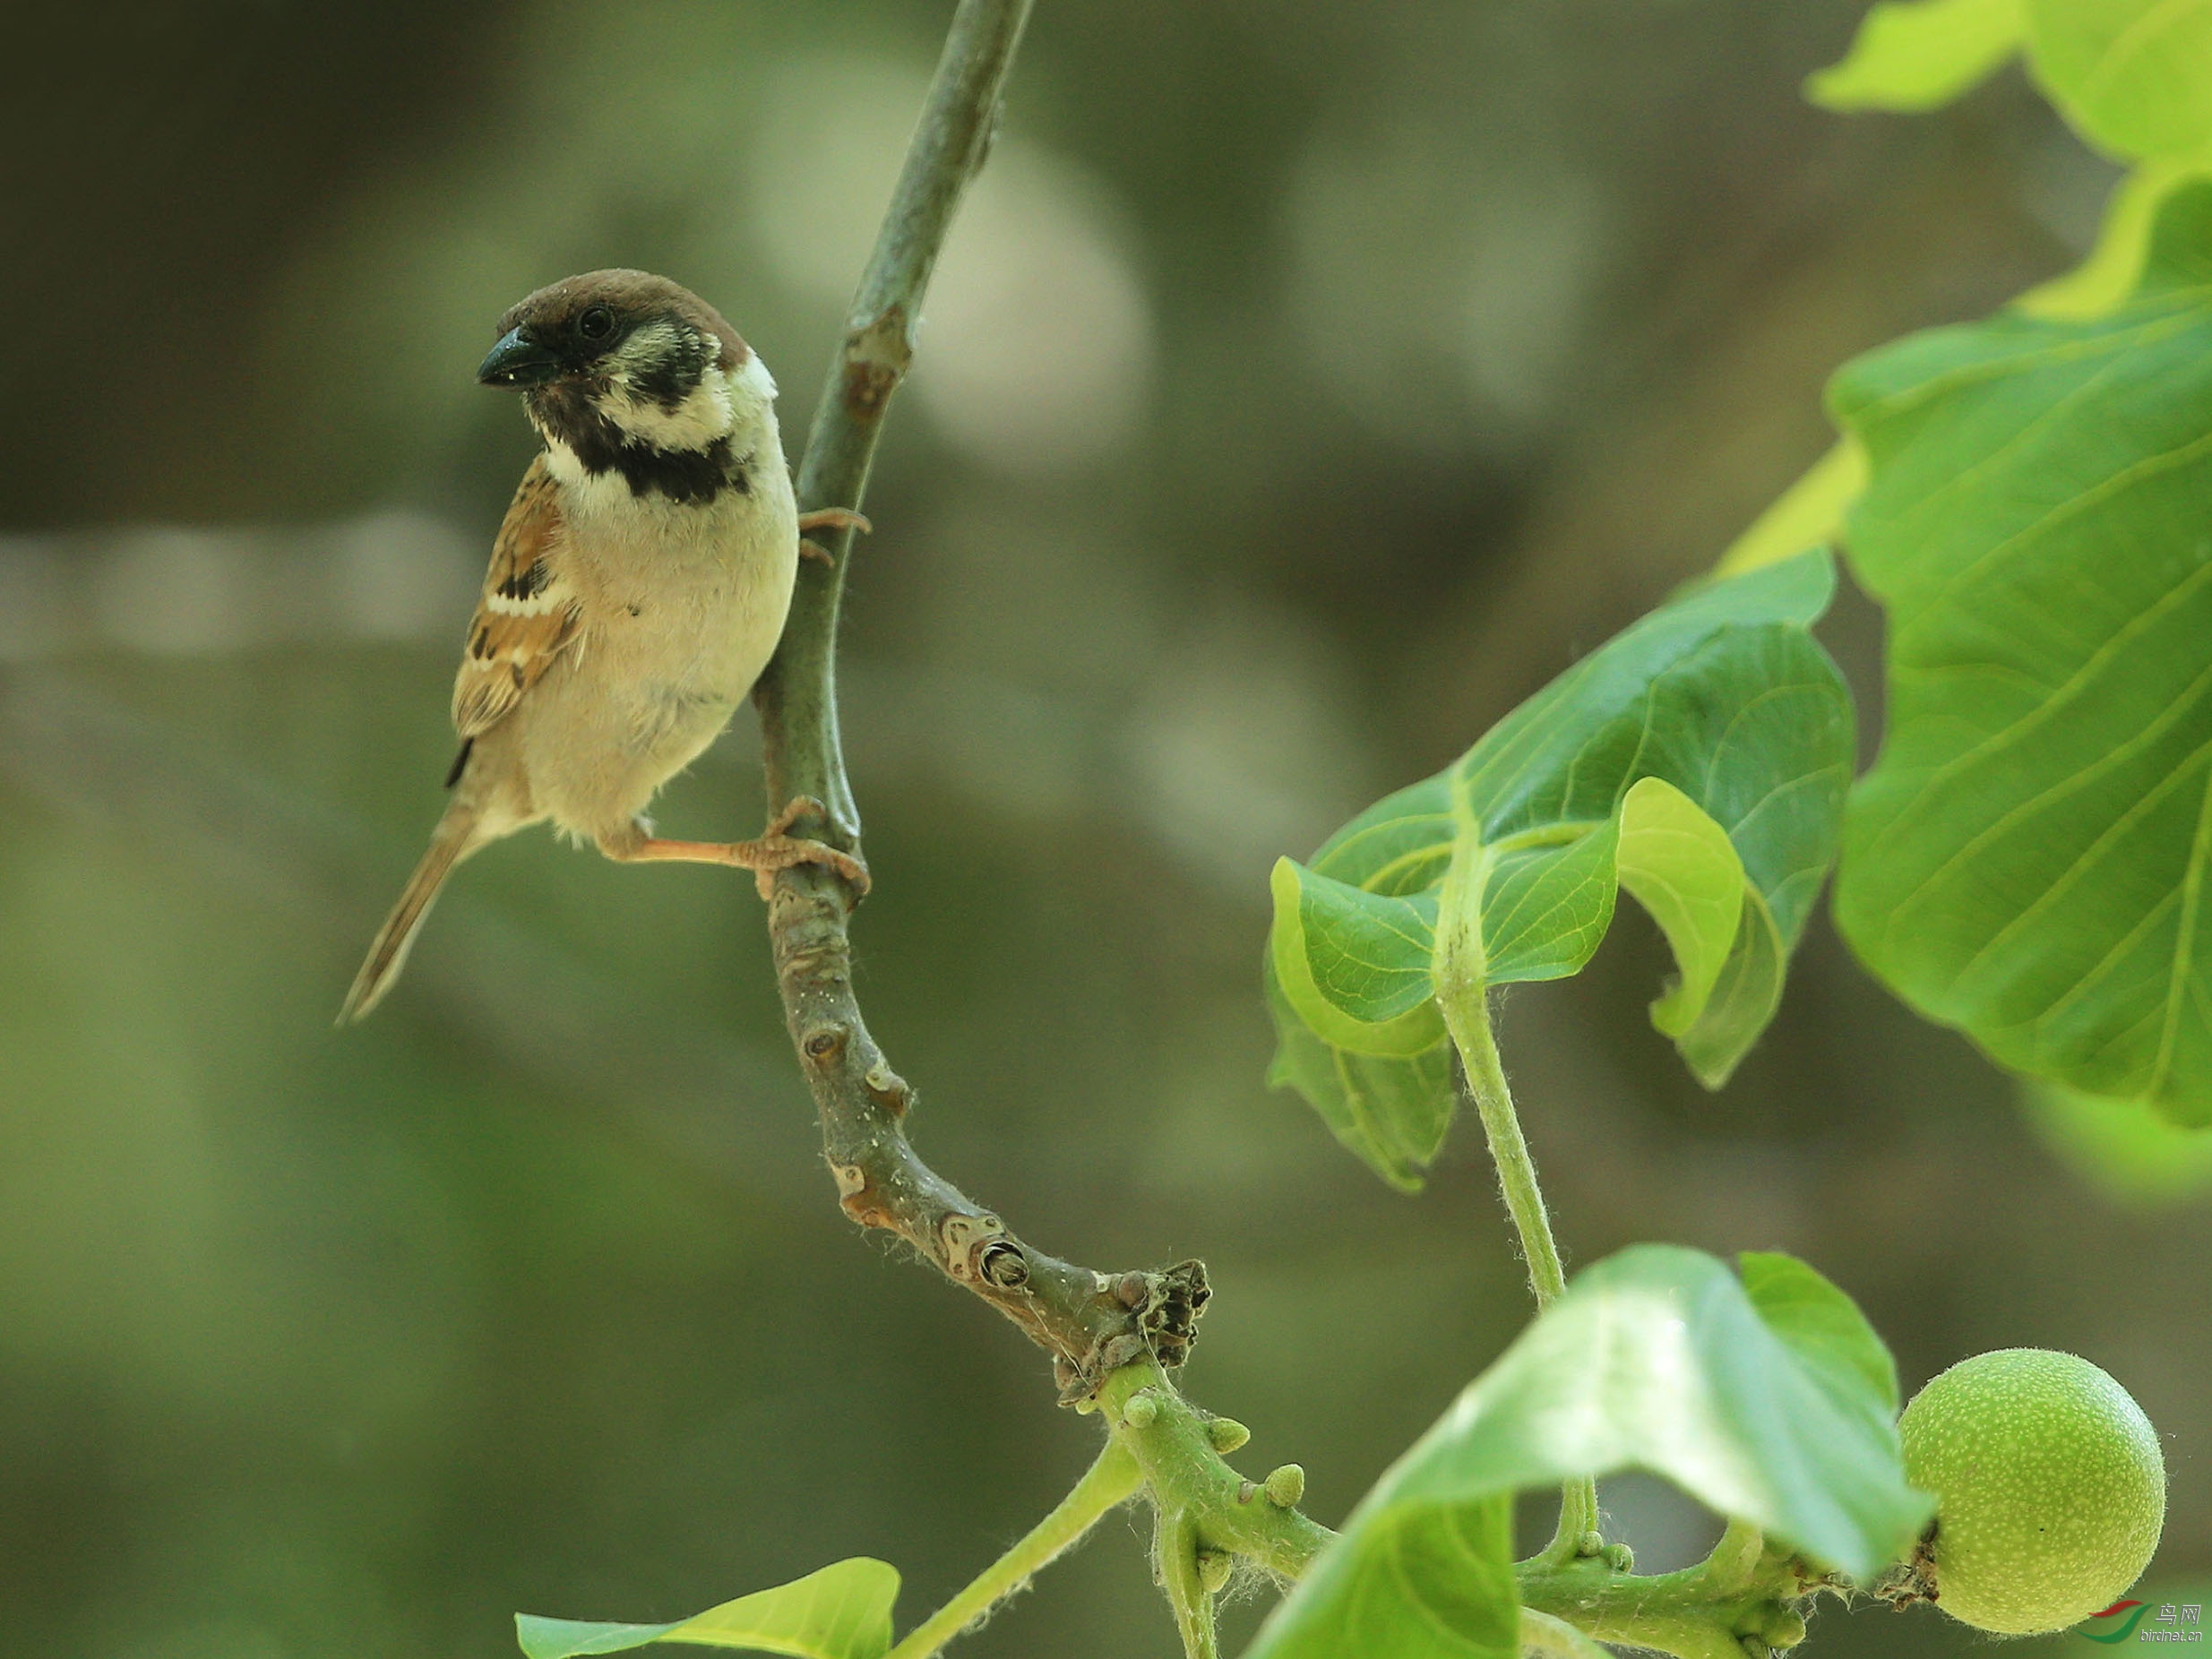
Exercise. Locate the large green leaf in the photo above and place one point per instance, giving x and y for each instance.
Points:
(842, 1611)
(1699, 759)
(2027, 861)
(1912, 55)
(1769, 1399)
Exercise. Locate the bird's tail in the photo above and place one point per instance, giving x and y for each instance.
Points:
(455, 837)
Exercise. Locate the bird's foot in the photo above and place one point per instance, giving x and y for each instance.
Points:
(827, 518)
(772, 850)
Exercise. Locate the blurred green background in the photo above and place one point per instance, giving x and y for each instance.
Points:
(1304, 384)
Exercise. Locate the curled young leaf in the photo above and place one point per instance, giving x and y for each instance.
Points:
(1698, 761)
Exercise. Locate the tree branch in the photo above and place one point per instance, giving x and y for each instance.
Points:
(1089, 1322)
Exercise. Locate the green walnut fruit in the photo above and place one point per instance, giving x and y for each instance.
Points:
(2050, 1489)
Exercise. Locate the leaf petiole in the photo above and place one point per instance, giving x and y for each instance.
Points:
(1114, 1479)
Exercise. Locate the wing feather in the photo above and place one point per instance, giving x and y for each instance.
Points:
(528, 612)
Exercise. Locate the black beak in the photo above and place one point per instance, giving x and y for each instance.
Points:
(518, 360)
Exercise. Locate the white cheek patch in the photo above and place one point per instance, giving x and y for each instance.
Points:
(705, 415)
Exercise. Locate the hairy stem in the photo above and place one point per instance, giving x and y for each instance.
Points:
(1114, 1479)
(1712, 1611)
(1174, 1442)
(1468, 1018)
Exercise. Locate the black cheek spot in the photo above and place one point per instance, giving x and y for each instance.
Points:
(685, 476)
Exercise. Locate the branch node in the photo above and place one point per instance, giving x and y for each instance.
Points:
(966, 1240)
(877, 352)
(889, 1089)
(824, 1043)
(1004, 1265)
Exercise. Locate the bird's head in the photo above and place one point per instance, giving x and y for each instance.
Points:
(619, 368)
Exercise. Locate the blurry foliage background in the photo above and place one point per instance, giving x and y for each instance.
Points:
(1304, 384)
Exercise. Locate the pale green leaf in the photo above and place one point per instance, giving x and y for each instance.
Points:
(1745, 996)
(1914, 55)
(1682, 867)
(1769, 1402)
(843, 1611)
(2134, 75)
(2027, 860)
(2127, 1152)
(1715, 735)
(2114, 268)
(1809, 513)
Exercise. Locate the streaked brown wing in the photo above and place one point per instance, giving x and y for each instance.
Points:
(527, 615)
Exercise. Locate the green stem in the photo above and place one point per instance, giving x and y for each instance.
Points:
(1112, 1480)
(1466, 1016)
(1678, 1614)
(1189, 1479)
(1746, 1596)
(1176, 1549)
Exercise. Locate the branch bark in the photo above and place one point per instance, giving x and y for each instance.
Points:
(1089, 1321)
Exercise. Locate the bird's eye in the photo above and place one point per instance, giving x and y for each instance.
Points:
(595, 323)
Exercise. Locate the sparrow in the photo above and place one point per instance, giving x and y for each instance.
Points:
(637, 587)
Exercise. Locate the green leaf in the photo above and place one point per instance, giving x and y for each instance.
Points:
(1392, 1113)
(842, 1611)
(1768, 1401)
(1825, 1330)
(1745, 996)
(2027, 860)
(2133, 75)
(1356, 964)
(1920, 55)
(1684, 869)
(1699, 759)
(1436, 1582)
